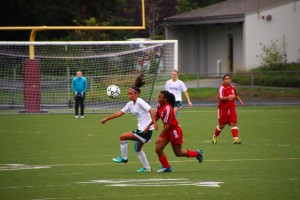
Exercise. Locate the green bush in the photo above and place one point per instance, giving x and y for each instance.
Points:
(281, 75)
(242, 79)
(280, 67)
(271, 54)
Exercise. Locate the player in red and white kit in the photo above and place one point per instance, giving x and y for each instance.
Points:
(171, 132)
(227, 109)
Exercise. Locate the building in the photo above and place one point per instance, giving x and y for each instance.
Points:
(232, 32)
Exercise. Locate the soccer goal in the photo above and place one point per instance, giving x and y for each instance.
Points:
(40, 81)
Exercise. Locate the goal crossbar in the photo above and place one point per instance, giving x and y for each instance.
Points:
(155, 42)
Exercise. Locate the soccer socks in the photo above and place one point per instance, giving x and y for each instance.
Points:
(217, 131)
(124, 149)
(143, 159)
(192, 153)
(235, 132)
(164, 161)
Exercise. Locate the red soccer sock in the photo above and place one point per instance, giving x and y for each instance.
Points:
(164, 161)
(192, 153)
(217, 131)
(235, 132)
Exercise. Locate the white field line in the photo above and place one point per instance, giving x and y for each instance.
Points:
(59, 157)
(3, 167)
(115, 196)
(181, 161)
(153, 182)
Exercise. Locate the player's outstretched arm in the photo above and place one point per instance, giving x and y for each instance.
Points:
(117, 114)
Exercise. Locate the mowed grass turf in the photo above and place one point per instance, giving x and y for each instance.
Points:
(77, 151)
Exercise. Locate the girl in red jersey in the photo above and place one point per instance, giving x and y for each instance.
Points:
(227, 109)
(171, 132)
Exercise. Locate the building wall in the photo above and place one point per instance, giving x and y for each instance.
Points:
(187, 37)
(284, 27)
(200, 46)
(218, 47)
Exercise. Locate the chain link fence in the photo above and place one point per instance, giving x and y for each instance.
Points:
(279, 85)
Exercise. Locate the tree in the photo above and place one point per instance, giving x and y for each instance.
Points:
(156, 11)
(91, 35)
(112, 12)
(185, 6)
(153, 17)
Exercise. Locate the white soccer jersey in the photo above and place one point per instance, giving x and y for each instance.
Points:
(140, 109)
(176, 88)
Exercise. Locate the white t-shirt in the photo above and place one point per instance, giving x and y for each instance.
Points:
(140, 109)
(176, 88)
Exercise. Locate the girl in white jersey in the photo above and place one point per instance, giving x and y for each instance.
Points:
(145, 115)
(176, 87)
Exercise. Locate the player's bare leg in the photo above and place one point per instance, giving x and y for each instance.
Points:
(235, 133)
(161, 143)
(128, 136)
(179, 152)
(138, 148)
(176, 111)
(124, 147)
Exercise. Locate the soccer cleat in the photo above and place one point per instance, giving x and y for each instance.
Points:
(144, 170)
(76, 116)
(163, 170)
(119, 160)
(214, 140)
(200, 156)
(82, 117)
(236, 141)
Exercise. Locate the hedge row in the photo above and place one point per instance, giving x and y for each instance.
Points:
(285, 75)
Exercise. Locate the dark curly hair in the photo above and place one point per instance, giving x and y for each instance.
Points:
(169, 96)
(138, 83)
(226, 75)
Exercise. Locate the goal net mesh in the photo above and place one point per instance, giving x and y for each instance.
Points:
(42, 82)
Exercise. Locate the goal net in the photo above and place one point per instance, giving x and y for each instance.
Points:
(36, 77)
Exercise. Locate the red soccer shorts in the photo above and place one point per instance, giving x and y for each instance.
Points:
(175, 136)
(227, 116)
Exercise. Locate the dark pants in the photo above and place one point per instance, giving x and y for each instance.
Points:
(79, 101)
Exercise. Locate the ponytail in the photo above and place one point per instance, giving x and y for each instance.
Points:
(138, 83)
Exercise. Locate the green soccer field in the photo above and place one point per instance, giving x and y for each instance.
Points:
(49, 157)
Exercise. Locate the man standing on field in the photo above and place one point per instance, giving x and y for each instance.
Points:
(176, 87)
(79, 86)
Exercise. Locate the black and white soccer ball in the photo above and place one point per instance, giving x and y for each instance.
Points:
(113, 91)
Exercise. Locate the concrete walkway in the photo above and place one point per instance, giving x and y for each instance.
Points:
(205, 83)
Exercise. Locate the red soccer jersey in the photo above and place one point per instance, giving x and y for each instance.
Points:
(166, 113)
(225, 91)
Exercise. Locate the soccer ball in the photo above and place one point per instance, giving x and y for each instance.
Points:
(113, 91)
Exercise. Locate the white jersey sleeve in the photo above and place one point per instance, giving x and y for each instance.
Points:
(126, 109)
(166, 86)
(183, 86)
(144, 105)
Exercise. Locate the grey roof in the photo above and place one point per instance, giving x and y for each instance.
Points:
(224, 12)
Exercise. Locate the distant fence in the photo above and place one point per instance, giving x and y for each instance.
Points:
(279, 85)
(201, 88)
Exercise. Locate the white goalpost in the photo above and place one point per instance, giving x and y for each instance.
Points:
(41, 83)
